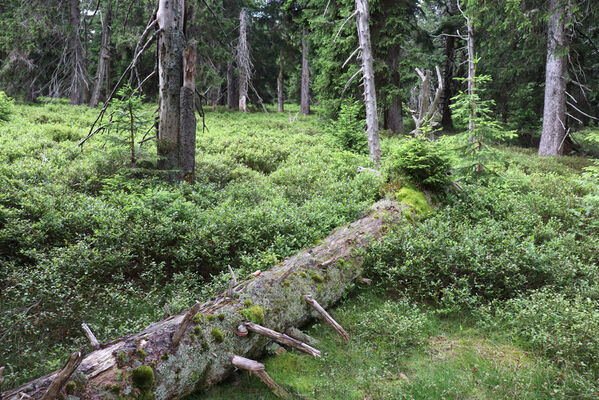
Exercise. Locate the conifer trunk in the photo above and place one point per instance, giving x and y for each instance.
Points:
(78, 88)
(554, 114)
(394, 113)
(103, 57)
(280, 98)
(305, 87)
(372, 120)
(243, 61)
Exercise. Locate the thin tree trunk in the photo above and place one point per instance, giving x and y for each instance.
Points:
(305, 88)
(187, 126)
(372, 119)
(554, 114)
(78, 72)
(243, 61)
(280, 99)
(202, 357)
(446, 117)
(171, 44)
(471, 78)
(103, 57)
(231, 103)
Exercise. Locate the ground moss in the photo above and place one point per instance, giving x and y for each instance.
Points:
(210, 317)
(221, 316)
(197, 331)
(198, 318)
(141, 354)
(316, 278)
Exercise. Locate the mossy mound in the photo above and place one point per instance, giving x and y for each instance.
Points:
(414, 198)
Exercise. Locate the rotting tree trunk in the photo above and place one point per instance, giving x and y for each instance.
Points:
(243, 61)
(187, 125)
(78, 88)
(554, 114)
(449, 52)
(103, 57)
(305, 86)
(280, 98)
(372, 119)
(203, 355)
(171, 44)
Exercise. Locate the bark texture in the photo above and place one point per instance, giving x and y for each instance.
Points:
(372, 119)
(103, 57)
(187, 125)
(305, 88)
(394, 113)
(231, 103)
(78, 89)
(449, 52)
(243, 61)
(171, 44)
(554, 114)
(203, 355)
(280, 97)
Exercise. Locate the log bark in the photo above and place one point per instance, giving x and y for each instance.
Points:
(103, 57)
(203, 356)
(305, 86)
(372, 119)
(554, 114)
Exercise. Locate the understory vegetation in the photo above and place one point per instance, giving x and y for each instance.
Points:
(491, 293)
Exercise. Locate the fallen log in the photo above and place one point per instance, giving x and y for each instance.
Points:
(147, 365)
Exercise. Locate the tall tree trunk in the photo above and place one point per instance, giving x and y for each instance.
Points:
(449, 51)
(175, 149)
(187, 124)
(202, 353)
(243, 61)
(103, 56)
(554, 114)
(280, 98)
(78, 87)
(231, 98)
(372, 119)
(305, 88)
(471, 77)
(394, 113)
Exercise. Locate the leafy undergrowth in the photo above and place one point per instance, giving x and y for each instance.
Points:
(86, 238)
(400, 351)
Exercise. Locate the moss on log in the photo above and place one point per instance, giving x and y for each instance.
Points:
(203, 356)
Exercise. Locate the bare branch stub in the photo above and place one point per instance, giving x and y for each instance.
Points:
(282, 338)
(184, 324)
(90, 336)
(327, 317)
(258, 369)
(63, 376)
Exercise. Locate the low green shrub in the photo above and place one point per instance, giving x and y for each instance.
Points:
(421, 163)
(348, 129)
(558, 326)
(6, 106)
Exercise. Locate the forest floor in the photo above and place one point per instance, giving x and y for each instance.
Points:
(493, 295)
(417, 355)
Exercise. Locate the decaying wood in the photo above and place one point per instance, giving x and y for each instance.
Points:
(427, 110)
(327, 317)
(185, 324)
(305, 84)
(232, 282)
(301, 336)
(203, 355)
(90, 336)
(258, 369)
(282, 338)
(63, 375)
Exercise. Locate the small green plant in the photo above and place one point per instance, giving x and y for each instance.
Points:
(70, 387)
(422, 163)
(348, 129)
(128, 116)
(6, 106)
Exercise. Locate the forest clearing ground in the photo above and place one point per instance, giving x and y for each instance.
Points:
(445, 358)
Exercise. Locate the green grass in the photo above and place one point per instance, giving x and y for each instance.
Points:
(446, 358)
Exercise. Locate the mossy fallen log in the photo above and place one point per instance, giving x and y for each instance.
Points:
(146, 365)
